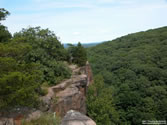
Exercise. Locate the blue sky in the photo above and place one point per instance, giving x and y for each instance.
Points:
(86, 20)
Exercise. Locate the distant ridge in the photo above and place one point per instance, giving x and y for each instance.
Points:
(86, 45)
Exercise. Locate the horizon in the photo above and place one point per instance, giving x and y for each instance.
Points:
(86, 21)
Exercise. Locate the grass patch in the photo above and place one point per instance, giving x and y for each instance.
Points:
(45, 119)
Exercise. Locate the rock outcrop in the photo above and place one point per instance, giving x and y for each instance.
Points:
(76, 118)
(6, 121)
(16, 117)
(68, 95)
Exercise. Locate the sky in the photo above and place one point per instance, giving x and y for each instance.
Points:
(86, 21)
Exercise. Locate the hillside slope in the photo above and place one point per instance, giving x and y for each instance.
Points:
(136, 67)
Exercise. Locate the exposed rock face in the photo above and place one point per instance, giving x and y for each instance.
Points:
(70, 94)
(6, 121)
(89, 73)
(15, 118)
(34, 115)
(72, 97)
(76, 118)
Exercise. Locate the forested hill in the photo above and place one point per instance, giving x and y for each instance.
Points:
(135, 66)
(148, 47)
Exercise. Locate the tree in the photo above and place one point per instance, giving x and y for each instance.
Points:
(28, 59)
(77, 54)
(18, 80)
(3, 14)
(47, 51)
(136, 66)
(18, 89)
(4, 33)
(100, 103)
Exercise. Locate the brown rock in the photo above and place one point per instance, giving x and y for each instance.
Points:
(18, 119)
(73, 97)
(34, 115)
(6, 121)
(76, 118)
(70, 94)
(89, 73)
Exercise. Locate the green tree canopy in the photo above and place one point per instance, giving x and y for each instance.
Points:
(136, 66)
(100, 104)
(46, 51)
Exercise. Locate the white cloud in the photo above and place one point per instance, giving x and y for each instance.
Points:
(48, 5)
(76, 33)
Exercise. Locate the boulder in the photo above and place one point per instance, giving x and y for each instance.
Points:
(33, 116)
(76, 118)
(6, 121)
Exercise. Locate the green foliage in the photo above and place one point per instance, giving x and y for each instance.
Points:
(46, 51)
(136, 66)
(18, 80)
(77, 54)
(45, 119)
(44, 42)
(3, 14)
(28, 59)
(4, 33)
(17, 89)
(100, 103)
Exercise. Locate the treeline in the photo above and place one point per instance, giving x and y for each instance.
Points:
(28, 59)
(135, 68)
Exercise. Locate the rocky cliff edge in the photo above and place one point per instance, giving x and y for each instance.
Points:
(68, 95)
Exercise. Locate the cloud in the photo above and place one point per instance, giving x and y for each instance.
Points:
(76, 33)
(53, 6)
